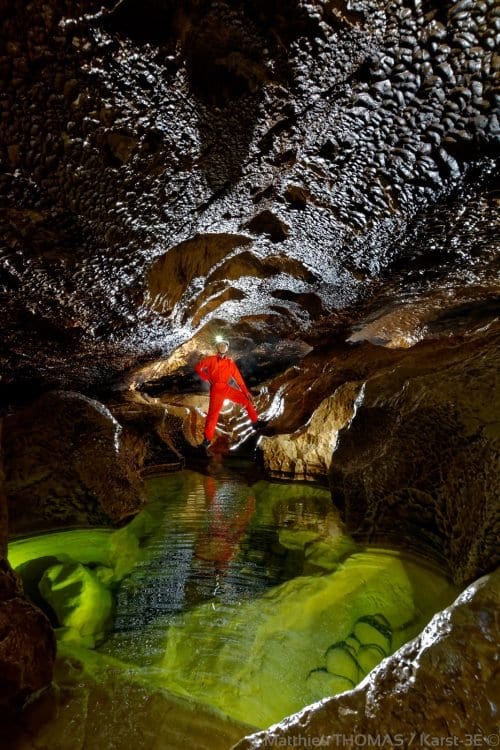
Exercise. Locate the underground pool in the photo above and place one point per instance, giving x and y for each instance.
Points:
(227, 604)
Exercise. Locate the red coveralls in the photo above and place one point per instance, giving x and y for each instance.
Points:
(219, 370)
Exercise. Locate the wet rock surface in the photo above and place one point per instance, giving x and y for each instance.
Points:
(440, 685)
(135, 714)
(137, 137)
(408, 441)
(293, 175)
(65, 465)
(420, 460)
(155, 435)
(3, 504)
(27, 642)
(307, 453)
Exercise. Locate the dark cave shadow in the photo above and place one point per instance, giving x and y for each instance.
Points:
(231, 51)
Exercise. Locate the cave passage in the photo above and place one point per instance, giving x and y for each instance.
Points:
(246, 598)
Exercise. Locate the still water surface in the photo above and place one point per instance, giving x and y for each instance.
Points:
(237, 593)
(216, 537)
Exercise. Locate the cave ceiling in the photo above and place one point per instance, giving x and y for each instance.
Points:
(283, 172)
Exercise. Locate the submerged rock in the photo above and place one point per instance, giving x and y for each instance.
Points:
(80, 600)
(97, 703)
(440, 686)
(306, 639)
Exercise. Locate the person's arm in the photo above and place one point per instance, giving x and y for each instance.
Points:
(202, 369)
(238, 378)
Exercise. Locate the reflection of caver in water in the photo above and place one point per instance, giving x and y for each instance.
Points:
(219, 370)
(227, 526)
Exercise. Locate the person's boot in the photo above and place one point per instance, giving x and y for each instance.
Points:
(205, 444)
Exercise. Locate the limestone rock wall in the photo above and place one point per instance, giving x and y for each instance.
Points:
(169, 167)
(3, 503)
(412, 454)
(156, 434)
(307, 453)
(27, 642)
(443, 684)
(65, 465)
(420, 460)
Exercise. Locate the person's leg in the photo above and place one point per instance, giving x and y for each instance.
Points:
(235, 395)
(216, 400)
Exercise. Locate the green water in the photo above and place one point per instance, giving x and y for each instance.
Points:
(245, 597)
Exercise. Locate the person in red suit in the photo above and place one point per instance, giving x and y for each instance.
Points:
(219, 370)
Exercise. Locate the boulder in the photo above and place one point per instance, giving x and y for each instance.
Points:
(155, 435)
(65, 465)
(27, 643)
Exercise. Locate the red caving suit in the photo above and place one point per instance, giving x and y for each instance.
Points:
(219, 370)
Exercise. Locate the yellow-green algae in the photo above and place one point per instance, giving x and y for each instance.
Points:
(75, 572)
(272, 656)
(97, 702)
(255, 660)
(84, 545)
(81, 601)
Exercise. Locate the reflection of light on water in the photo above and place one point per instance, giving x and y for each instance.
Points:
(224, 591)
(313, 636)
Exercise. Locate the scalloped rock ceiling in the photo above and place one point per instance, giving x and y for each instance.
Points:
(287, 172)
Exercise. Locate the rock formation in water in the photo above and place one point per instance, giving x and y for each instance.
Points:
(136, 715)
(440, 685)
(409, 442)
(307, 177)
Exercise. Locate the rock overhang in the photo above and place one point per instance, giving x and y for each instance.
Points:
(334, 167)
